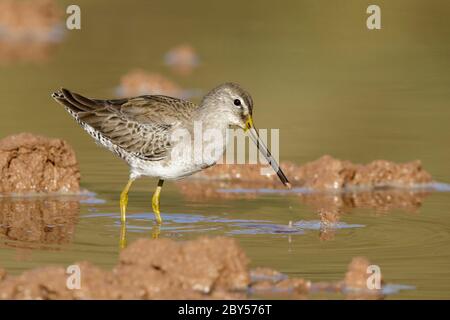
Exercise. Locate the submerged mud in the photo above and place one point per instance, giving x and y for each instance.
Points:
(33, 164)
(326, 173)
(206, 268)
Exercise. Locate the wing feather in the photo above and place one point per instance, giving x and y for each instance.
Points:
(140, 125)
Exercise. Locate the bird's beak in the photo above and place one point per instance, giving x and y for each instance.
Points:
(253, 134)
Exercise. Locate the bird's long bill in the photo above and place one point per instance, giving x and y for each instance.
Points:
(254, 136)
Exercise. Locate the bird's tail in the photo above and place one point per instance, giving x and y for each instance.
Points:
(74, 102)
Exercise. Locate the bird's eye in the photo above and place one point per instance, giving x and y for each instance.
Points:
(237, 102)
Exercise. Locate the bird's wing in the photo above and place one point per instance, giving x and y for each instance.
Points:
(140, 125)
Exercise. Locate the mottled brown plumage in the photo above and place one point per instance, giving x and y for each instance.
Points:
(139, 125)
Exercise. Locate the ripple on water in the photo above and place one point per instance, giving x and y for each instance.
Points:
(200, 223)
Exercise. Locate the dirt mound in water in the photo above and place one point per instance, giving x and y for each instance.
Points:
(139, 82)
(206, 268)
(147, 269)
(381, 199)
(30, 30)
(330, 173)
(31, 163)
(325, 173)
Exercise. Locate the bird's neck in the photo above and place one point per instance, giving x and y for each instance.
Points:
(211, 126)
(213, 117)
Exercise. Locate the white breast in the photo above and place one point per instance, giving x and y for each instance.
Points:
(184, 160)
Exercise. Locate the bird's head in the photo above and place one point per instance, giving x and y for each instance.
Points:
(235, 105)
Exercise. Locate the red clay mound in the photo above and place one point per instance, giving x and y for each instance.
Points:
(326, 173)
(148, 269)
(206, 268)
(31, 163)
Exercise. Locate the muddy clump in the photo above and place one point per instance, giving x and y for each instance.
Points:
(139, 82)
(182, 59)
(330, 173)
(29, 30)
(338, 186)
(266, 282)
(36, 284)
(147, 269)
(357, 284)
(31, 223)
(326, 173)
(28, 19)
(34, 164)
(206, 268)
(225, 268)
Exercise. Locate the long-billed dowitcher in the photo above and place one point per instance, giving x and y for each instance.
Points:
(139, 130)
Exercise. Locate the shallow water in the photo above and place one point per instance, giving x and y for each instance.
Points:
(315, 72)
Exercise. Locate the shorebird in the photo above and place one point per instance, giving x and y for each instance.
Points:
(139, 131)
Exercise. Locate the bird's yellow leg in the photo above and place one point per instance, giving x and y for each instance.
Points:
(123, 236)
(124, 201)
(155, 201)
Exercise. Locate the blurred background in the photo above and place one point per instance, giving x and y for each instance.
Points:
(314, 69)
(315, 72)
